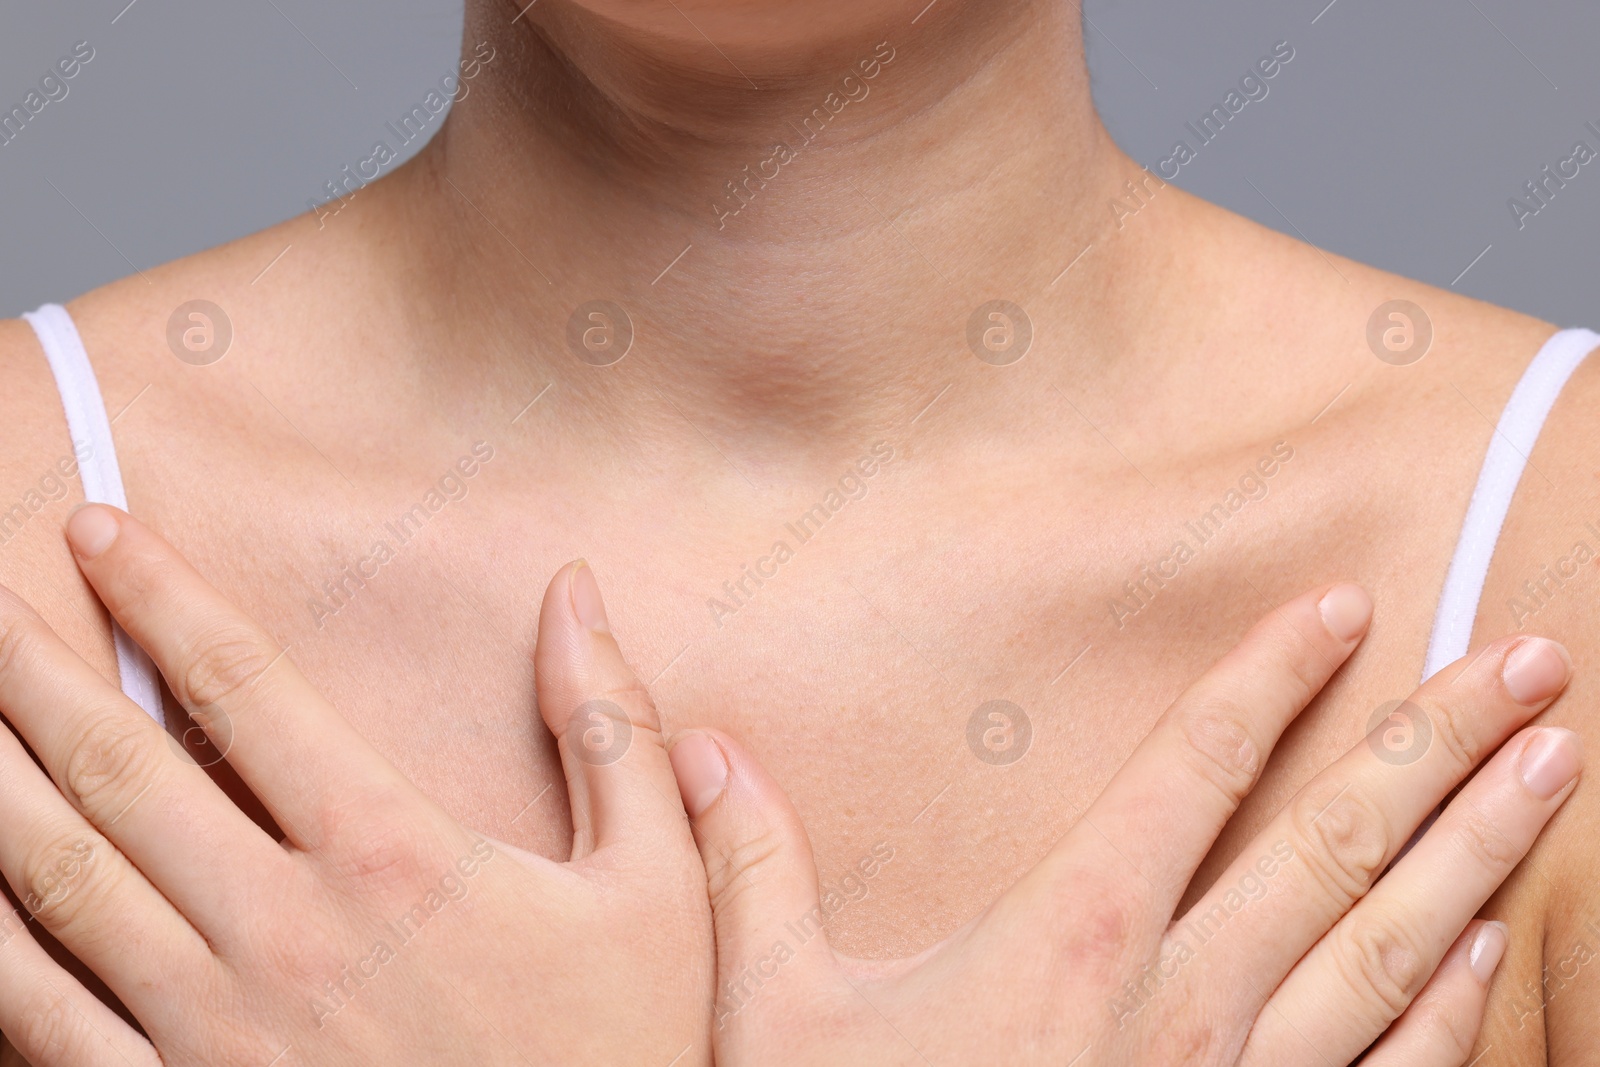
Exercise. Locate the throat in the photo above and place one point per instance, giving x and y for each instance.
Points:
(808, 259)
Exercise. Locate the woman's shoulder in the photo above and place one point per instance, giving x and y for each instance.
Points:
(152, 330)
(162, 330)
(1300, 323)
(275, 281)
(1545, 572)
(39, 486)
(135, 331)
(1414, 379)
(1544, 579)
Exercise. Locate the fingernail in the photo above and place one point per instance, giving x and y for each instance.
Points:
(1551, 760)
(1487, 950)
(702, 772)
(1536, 670)
(91, 530)
(586, 602)
(1346, 610)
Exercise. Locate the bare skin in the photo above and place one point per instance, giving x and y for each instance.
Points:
(825, 317)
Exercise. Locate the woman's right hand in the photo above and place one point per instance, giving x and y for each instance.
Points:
(1299, 953)
(374, 927)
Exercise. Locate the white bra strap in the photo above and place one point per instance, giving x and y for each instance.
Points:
(1503, 464)
(97, 467)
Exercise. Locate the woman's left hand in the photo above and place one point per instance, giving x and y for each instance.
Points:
(379, 930)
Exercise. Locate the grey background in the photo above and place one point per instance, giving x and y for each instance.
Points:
(1395, 136)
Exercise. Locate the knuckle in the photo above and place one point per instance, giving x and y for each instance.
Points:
(294, 963)
(636, 703)
(113, 760)
(1446, 1024)
(1380, 960)
(19, 638)
(379, 851)
(58, 878)
(49, 1028)
(1102, 932)
(742, 868)
(1346, 839)
(1192, 1041)
(1483, 841)
(147, 578)
(605, 727)
(221, 664)
(633, 691)
(1217, 735)
(1301, 669)
(1452, 730)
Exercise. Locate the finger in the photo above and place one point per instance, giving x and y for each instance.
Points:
(1442, 1024)
(123, 773)
(76, 885)
(1358, 979)
(618, 777)
(289, 745)
(1328, 846)
(1165, 807)
(50, 1018)
(760, 874)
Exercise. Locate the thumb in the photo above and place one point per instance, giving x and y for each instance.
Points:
(605, 724)
(760, 873)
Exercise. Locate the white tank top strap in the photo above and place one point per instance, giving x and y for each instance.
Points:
(1509, 448)
(97, 467)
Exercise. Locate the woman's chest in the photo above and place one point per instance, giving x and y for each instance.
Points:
(953, 685)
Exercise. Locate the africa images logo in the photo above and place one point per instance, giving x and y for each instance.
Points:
(52, 89)
(412, 125)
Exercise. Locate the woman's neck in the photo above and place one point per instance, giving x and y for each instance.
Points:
(802, 257)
